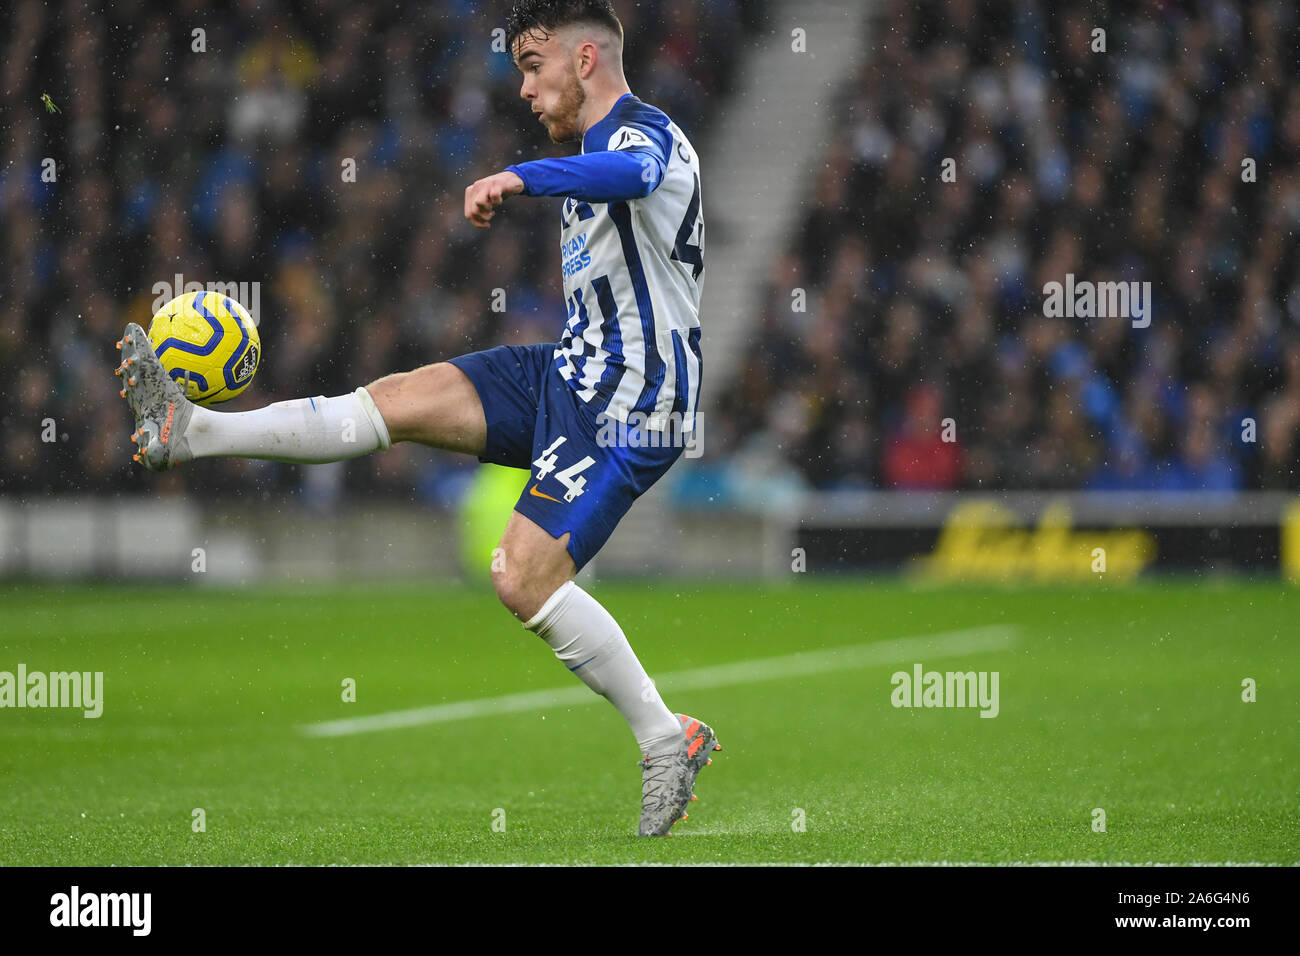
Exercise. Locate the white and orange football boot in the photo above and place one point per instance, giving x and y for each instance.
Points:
(162, 412)
(668, 778)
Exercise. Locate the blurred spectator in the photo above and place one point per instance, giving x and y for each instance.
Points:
(919, 457)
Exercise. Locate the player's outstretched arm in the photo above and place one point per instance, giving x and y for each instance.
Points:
(483, 197)
(605, 176)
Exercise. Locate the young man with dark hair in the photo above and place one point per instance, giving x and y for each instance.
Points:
(632, 235)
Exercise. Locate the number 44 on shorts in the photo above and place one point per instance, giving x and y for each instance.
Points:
(571, 478)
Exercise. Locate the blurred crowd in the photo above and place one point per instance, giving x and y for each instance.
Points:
(1164, 150)
(210, 140)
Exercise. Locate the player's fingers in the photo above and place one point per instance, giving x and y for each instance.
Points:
(480, 203)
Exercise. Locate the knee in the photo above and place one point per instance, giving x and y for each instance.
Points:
(517, 592)
(529, 567)
(391, 395)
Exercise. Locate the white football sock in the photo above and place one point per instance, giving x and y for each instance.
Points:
(587, 639)
(305, 430)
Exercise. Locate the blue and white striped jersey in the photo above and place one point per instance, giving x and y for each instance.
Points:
(632, 242)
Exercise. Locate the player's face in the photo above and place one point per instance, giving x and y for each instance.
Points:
(551, 85)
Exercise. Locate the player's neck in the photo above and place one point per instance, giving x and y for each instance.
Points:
(598, 106)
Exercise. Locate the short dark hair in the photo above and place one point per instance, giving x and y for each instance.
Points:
(547, 16)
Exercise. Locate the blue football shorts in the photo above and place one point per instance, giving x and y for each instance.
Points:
(580, 483)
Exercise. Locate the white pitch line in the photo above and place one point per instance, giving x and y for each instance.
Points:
(944, 644)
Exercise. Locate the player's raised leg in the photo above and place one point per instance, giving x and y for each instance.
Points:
(535, 582)
(434, 405)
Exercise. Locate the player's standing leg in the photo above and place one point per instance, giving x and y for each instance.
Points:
(535, 582)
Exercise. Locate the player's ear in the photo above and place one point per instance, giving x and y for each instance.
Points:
(585, 59)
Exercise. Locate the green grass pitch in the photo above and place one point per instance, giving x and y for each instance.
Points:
(1123, 699)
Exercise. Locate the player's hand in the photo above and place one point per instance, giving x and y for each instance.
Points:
(483, 197)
